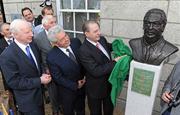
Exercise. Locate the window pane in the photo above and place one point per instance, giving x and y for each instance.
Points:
(94, 4)
(94, 16)
(71, 35)
(80, 19)
(66, 4)
(81, 37)
(78, 4)
(68, 21)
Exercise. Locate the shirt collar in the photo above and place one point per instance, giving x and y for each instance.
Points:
(92, 42)
(22, 46)
(46, 31)
(8, 38)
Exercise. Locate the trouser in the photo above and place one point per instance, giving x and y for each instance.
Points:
(96, 104)
(38, 111)
(72, 102)
(55, 99)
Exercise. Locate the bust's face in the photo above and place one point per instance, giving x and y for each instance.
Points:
(153, 27)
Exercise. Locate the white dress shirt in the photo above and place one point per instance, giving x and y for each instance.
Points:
(23, 48)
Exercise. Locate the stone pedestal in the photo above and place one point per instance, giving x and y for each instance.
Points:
(142, 87)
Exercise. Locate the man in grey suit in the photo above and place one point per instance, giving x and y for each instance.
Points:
(170, 93)
(45, 46)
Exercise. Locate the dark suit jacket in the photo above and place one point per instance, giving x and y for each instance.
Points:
(22, 77)
(98, 68)
(65, 71)
(37, 21)
(3, 45)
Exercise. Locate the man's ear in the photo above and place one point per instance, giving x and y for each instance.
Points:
(1, 33)
(86, 33)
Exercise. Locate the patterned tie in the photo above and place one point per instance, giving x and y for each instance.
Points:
(10, 41)
(71, 56)
(30, 56)
(97, 45)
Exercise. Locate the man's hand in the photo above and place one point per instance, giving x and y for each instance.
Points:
(45, 78)
(167, 97)
(118, 58)
(81, 83)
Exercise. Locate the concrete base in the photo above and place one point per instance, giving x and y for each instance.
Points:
(142, 87)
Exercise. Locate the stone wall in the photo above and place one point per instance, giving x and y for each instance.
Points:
(13, 8)
(124, 18)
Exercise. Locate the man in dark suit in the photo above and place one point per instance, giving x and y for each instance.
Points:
(95, 57)
(5, 41)
(66, 71)
(29, 17)
(20, 64)
(45, 46)
(7, 38)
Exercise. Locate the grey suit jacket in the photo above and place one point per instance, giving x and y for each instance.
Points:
(44, 45)
(172, 80)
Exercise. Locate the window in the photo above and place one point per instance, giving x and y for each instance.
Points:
(2, 14)
(72, 13)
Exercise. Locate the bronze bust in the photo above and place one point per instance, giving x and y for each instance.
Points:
(152, 48)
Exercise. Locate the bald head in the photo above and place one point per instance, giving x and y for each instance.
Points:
(21, 31)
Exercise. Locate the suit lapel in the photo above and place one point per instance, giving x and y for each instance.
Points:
(35, 52)
(64, 56)
(99, 54)
(45, 40)
(105, 47)
(4, 43)
(23, 56)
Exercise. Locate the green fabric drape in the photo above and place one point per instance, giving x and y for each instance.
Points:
(121, 68)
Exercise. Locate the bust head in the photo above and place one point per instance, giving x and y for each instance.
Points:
(154, 23)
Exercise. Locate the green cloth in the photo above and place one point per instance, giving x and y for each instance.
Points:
(121, 68)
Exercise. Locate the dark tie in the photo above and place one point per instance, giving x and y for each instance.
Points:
(71, 56)
(30, 56)
(10, 41)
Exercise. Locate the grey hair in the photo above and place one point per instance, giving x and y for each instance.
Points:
(53, 31)
(46, 19)
(16, 24)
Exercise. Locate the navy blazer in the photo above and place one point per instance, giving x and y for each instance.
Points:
(22, 77)
(65, 71)
(98, 68)
(3, 45)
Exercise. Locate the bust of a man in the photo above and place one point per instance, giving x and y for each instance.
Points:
(152, 48)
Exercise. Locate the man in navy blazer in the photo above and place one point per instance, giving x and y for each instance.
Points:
(22, 69)
(4, 43)
(94, 54)
(66, 71)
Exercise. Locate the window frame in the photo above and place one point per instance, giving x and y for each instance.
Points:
(74, 11)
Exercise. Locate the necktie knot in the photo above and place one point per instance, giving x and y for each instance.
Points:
(10, 41)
